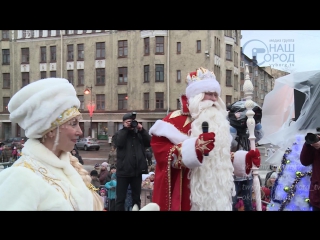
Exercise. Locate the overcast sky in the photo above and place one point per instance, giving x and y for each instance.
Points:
(288, 50)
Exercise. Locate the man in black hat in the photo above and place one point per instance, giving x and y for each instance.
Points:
(130, 142)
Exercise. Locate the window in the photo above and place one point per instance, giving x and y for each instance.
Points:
(5, 101)
(100, 102)
(122, 101)
(159, 73)
(178, 104)
(6, 80)
(159, 100)
(146, 101)
(159, 45)
(43, 54)
(100, 50)
(242, 64)
(198, 46)
(235, 82)
(217, 72)
(5, 56)
(80, 52)
(146, 46)
(70, 76)
(53, 54)
(250, 69)
(49, 33)
(217, 46)
(228, 100)
(178, 47)
(146, 73)
(123, 48)
(100, 76)
(228, 78)
(43, 74)
(70, 52)
(40, 33)
(5, 34)
(123, 75)
(228, 52)
(241, 76)
(81, 99)
(25, 79)
(178, 75)
(80, 77)
(25, 55)
(57, 33)
(53, 74)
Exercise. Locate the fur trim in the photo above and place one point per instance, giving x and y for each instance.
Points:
(40, 103)
(239, 163)
(188, 152)
(207, 85)
(164, 129)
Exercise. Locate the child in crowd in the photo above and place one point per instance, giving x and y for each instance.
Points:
(94, 179)
(111, 186)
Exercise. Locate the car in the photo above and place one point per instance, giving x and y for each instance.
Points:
(87, 144)
(15, 140)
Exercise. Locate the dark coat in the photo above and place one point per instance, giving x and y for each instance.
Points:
(131, 158)
(310, 155)
(78, 156)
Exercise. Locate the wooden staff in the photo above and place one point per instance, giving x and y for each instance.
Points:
(249, 104)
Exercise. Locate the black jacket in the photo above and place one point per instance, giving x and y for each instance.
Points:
(131, 159)
(78, 156)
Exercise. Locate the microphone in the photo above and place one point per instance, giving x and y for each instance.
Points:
(205, 129)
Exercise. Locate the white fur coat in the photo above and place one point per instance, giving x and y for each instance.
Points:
(39, 180)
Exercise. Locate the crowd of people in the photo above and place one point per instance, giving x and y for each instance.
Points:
(199, 161)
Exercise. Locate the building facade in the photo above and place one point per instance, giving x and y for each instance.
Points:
(262, 81)
(122, 70)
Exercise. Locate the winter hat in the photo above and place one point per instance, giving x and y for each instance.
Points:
(97, 165)
(127, 116)
(43, 105)
(274, 175)
(202, 80)
(94, 173)
(105, 164)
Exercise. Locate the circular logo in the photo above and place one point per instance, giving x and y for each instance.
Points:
(257, 48)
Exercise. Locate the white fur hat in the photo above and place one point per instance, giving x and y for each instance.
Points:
(202, 80)
(36, 106)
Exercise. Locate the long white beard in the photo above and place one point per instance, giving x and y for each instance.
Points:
(212, 184)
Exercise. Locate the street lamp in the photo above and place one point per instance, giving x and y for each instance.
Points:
(90, 106)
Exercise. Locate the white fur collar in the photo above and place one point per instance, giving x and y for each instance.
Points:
(57, 166)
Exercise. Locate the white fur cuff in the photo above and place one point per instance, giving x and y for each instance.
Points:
(188, 152)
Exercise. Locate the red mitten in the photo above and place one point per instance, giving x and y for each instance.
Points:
(252, 157)
(204, 144)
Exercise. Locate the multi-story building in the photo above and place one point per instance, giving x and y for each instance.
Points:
(122, 70)
(262, 81)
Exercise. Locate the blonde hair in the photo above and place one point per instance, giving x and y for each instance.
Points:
(97, 200)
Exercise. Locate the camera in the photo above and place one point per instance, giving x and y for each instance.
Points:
(134, 122)
(312, 137)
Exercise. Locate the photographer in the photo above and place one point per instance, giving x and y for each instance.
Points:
(310, 154)
(130, 142)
